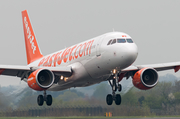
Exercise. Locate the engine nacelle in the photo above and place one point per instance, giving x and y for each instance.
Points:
(40, 79)
(145, 78)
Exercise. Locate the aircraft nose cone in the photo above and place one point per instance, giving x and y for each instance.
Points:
(131, 53)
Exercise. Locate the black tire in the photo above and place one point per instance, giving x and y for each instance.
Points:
(40, 100)
(118, 99)
(49, 100)
(119, 87)
(109, 99)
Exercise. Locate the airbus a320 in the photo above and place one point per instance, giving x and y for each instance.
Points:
(108, 57)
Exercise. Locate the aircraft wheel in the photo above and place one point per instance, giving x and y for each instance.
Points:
(119, 87)
(40, 100)
(109, 99)
(49, 100)
(118, 99)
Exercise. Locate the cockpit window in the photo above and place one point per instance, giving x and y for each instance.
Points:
(121, 40)
(109, 42)
(129, 40)
(114, 41)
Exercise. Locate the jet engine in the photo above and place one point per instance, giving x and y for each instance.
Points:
(41, 79)
(145, 78)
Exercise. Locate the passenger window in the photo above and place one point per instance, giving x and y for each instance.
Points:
(121, 40)
(114, 41)
(129, 40)
(109, 42)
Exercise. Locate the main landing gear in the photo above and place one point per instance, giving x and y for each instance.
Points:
(47, 98)
(115, 86)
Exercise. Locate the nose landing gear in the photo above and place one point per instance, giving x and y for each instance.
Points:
(47, 98)
(115, 86)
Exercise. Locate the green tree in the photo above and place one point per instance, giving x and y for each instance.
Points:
(101, 91)
(130, 98)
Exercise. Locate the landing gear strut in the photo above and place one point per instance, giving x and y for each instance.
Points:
(115, 86)
(47, 98)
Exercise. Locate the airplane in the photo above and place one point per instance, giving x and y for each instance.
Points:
(108, 57)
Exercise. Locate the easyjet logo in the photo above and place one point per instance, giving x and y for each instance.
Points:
(29, 35)
(70, 53)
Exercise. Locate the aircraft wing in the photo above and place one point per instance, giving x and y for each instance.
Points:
(131, 70)
(158, 67)
(13, 70)
(22, 71)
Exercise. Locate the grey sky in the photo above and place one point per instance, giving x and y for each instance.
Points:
(154, 25)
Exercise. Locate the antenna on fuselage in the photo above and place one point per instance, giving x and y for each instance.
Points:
(113, 30)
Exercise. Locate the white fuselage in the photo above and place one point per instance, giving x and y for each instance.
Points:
(92, 61)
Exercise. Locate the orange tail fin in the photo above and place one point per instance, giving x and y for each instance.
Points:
(32, 50)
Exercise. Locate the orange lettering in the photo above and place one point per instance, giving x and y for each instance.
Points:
(41, 62)
(46, 61)
(70, 55)
(89, 47)
(80, 54)
(50, 60)
(76, 56)
(84, 48)
(56, 58)
(59, 59)
(65, 53)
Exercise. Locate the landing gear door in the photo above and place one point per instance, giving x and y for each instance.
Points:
(98, 46)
